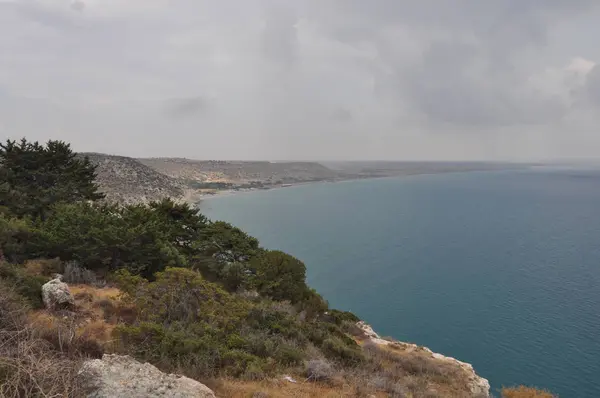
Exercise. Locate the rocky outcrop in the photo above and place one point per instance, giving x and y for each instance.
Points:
(477, 385)
(122, 376)
(56, 295)
(125, 180)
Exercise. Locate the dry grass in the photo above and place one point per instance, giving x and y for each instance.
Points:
(30, 364)
(44, 267)
(390, 371)
(284, 389)
(402, 370)
(98, 294)
(88, 329)
(525, 392)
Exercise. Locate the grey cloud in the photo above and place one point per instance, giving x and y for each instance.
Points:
(592, 86)
(454, 83)
(312, 78)
(187, 107)
(78, 5)
(342, 115)
(41, 13)
(279, 37)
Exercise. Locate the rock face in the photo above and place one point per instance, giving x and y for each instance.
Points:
(123, 376)
(478, 386)
(125, 180)
(56, 295)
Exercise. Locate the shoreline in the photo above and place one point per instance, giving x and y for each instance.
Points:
(194, 197)
(478, 385)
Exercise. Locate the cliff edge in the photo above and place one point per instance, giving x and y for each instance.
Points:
(476, 385)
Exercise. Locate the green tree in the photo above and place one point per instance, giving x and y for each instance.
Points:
(228, 242)
(35, 176)
(280, 276)
(182, 224)
(14, 234)
(108, 237)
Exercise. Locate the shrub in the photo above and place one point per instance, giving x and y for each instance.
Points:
(44, 267)
(319, 370)
(28, 286)
(254, 371)
(76, 274)
(289, 355)
(14, 235)
(340, 317)
(29, 366)
(337, 350)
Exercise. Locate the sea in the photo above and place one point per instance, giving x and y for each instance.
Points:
(499, 269)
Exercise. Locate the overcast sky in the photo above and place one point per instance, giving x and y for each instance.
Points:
(305, 79)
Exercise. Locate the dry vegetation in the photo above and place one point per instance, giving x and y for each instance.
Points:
(526, 392)
(34, 361)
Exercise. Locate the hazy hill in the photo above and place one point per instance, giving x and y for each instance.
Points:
(239, 172)
(126, 180)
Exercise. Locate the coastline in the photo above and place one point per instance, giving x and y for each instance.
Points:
(194, 197)
(477, 385)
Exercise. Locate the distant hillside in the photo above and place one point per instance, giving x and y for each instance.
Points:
(125, 180)
(268, 173)
(366, 169)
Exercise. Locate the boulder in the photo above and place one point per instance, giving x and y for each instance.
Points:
(123, 376)
(56, 295)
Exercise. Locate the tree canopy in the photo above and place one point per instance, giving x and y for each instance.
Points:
(35, 177)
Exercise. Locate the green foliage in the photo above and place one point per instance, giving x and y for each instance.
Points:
(313, 304)
(14, 234)
(280, 276)
(289, 355)
(176, 269)
(144, 239)
(183, 225)
(182, 317)
(28, 286)
(339, 317)
(339, 350)
(230, 243)
(34, 177)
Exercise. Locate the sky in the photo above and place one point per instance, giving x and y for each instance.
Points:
(305, 79)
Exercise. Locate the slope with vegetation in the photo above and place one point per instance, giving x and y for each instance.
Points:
(126, 180)
(162, 283)
(242, 172)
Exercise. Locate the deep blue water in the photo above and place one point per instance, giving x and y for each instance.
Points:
(498, 269)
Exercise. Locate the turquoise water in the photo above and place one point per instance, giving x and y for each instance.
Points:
(498, 269)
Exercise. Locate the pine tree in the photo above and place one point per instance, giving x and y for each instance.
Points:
(34, 177)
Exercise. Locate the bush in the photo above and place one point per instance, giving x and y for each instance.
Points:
(14, 235)
(28, 286)
(289, 355)
(340, 317)
(44, 267)
(337, 350)
(319, 370)
(76, 274)
(29, 365)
